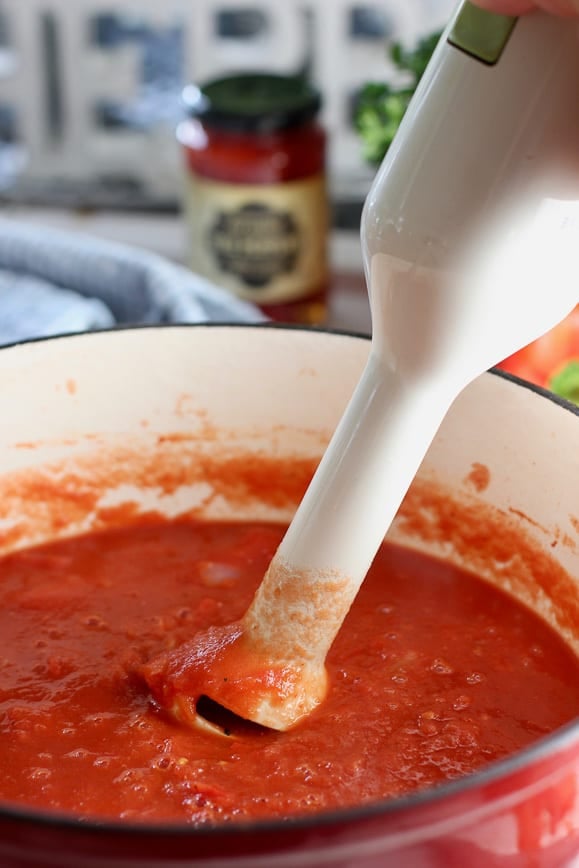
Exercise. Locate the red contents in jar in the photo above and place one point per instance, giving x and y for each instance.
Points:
(434, 675)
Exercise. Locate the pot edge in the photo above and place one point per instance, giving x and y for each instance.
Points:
(559, 740)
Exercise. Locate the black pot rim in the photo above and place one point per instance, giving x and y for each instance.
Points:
(557, 741)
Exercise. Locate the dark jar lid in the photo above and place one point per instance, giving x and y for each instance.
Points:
(253, 102)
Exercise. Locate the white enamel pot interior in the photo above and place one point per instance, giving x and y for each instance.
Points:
(68, 404)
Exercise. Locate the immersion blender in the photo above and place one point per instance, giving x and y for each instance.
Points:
(495, 120)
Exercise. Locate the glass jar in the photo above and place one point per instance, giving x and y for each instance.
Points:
(256, 199)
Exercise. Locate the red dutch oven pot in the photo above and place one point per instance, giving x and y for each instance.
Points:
(65, 399)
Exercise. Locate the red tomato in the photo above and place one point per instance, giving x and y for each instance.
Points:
(546, 357)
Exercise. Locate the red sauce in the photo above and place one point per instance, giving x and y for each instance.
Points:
(434, 675)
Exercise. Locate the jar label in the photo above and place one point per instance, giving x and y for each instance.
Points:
(265, 243)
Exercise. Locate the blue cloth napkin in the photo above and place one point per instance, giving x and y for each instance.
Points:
(52, 282)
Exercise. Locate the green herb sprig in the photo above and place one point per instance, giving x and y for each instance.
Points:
(381, 107)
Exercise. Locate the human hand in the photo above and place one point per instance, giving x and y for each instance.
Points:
(565, 8)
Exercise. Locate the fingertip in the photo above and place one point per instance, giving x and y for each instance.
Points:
(507, 7)
(562, 8)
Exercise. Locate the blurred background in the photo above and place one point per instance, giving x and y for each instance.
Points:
(90, 97)
(90, 90)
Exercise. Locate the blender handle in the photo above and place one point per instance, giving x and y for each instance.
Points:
(491, 116)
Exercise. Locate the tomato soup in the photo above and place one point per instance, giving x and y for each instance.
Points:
(434, 674)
